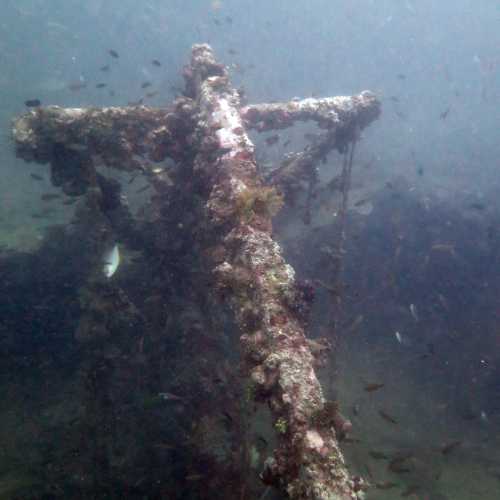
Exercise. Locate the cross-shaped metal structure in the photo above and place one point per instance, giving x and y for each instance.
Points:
(206, 131)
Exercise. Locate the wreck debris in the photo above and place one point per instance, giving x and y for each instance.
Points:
(298, 169)
(342, 118)
(206, 132)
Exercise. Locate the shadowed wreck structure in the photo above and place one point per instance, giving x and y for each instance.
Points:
(208, 242)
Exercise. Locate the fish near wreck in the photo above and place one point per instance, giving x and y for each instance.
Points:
(386, 485)
(373, 387)
(450, 447)
(32, 103)
(413, 311)
(378, 455)
(50, 196)
(111, 261)
(387, 417)
(76, 86)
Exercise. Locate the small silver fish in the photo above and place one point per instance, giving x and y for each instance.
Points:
(168, 396)
(111, 261)
(399, 337)
(413, 310)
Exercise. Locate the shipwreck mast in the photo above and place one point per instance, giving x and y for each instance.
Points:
(207, 128)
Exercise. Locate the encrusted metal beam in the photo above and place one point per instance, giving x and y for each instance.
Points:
(119, 137)
(329, 112)
(270, 306)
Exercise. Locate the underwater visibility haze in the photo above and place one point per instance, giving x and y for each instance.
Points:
(250, 250)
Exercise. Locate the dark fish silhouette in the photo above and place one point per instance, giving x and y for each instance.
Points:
(477, 205)
(76, 86)
(385, 485)
(444, 114)
(101, 85)
(194, 477)
(398, 465)
(104, 68)
(36, 177)
(448, 448)
(410, 490)
(360, 203)
(373, 387)
(113, 53)
(387, 417)
(155, 62)
(378, 455)
(144, 188)
(228, 419)
(133, 178)
(272, 140)
(32, 103)
(136, 103)
(351, 440)
(50, 196)
(145, 85)
(262, 441)
(39, 216)
(430, 351)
